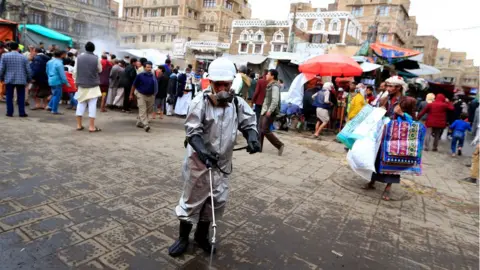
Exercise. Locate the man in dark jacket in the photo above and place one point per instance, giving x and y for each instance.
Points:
(259, 96)
(130, 73)
(172, 88)
(436, 119)
(161, 96)
(40, 79)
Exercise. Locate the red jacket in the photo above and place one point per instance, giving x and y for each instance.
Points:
(71, 81)
(260, 90)
(437, 112)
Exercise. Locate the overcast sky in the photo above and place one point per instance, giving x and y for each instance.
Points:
(443, 19)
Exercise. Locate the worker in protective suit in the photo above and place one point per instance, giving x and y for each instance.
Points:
(211, 129)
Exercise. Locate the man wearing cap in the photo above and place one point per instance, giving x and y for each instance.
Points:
(211, 128)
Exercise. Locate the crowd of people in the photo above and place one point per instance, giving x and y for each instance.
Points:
(44, 78)
(436, 112)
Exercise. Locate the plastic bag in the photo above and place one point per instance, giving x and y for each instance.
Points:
(364, 151)
(360, 126)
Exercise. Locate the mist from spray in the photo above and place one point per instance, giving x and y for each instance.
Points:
(102, 45)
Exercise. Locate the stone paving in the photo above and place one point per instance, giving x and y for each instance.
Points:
(74, 200)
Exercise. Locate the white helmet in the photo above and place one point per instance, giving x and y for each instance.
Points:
(221, 69)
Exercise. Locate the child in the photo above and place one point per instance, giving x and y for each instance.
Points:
(70, 90)
(370, 98)
(458, 133)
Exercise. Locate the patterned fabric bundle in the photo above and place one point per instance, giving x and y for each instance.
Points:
(402, 148)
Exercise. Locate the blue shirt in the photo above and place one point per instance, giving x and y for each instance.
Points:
(459, 127)
(145, 83)
(14, 69)
(56, 72)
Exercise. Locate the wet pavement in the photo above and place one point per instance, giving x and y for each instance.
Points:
(74, 200)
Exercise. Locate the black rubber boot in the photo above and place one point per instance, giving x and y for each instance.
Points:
(201, 236)
(181, 245)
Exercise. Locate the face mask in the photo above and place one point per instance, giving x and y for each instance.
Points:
(221, 99)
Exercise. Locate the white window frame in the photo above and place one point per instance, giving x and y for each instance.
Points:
(240, 48)
(382, 11)
(261, 48)
(332, 23)
(357, 11)
(316, 23)
(302, 22)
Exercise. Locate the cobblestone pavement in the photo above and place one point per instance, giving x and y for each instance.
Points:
(74, 200)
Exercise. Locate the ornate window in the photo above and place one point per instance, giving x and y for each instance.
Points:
(209, 3)
(318, 25)
(277, 48)
(357, 11)
(244, 35)
(79, 27)
(59, 23)
(259, 36)
(175, 11)
(36, 17)
(334, 25)
(279, 36)
(302, 24)
(243, 48)
(258, 49)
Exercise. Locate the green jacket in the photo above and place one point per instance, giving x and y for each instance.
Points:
(272, 99)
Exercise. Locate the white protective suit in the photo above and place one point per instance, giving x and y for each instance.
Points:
(218, 127)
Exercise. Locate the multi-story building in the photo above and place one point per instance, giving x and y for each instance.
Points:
(395, 26)
(81, 20)
(305, 30)
(197, 29)
(457, 69)
(428, 45)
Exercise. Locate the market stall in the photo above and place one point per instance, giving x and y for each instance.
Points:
(36, 33)
(8, 30)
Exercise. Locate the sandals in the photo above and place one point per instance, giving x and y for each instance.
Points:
(386, 194)
(81, 128)
(95, 130)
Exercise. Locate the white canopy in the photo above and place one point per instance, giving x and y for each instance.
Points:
(244, 59)
(155, 56)
(424, 70)
(295, 58)
(295, 93)
(367, 67)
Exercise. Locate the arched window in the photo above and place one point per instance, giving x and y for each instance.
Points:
(279, 36)
(244, 35)
(318, 25)
(302, 24)
(259, 36)
(334, 25)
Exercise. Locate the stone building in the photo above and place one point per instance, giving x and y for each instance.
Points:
(395, 26)
(457, 69)
(81, 20)
(312, 29)
(197, 29)
(428, 45)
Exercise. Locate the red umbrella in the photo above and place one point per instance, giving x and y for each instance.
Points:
(331, 65)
